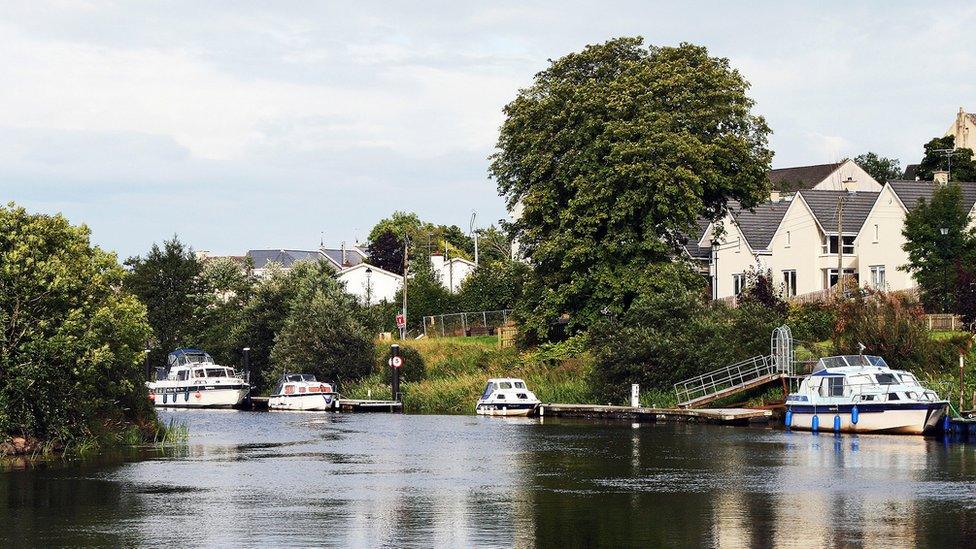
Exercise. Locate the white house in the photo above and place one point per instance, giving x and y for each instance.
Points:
(371, 284)
(451, 272)
(837, 176)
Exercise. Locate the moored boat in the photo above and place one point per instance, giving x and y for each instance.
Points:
(303, 392)
(506, 397)
(861, 394)
(191, 379)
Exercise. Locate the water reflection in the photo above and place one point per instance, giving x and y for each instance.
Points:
(250, 479)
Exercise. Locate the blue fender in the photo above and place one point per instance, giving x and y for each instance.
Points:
(815, 424)
(837, 423)
(789, 419)
(855, 414)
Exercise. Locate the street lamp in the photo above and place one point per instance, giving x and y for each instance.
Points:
(369, 286)
(945, 273)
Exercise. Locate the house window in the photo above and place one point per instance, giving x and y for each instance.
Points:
(830, 276)
(877, 233)
(830, 246)
(878, 276)
(738, 283)
(789, 282)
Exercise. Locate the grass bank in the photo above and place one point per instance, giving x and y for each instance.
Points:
(455, 371)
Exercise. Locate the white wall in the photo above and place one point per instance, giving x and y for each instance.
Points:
(797, 245)
(732, 255)
(379, 286)
(451, 273)
(849, 170)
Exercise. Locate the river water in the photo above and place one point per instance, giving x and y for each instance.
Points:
(269, 479)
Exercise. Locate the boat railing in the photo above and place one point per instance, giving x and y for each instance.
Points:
(876, 389)
(725, 378)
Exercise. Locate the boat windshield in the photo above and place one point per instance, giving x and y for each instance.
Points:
(850, 360)
(217, 372)
(504, 385)
(488, 390)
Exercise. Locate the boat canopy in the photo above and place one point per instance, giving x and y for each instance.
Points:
(181, 357)
(297, 377)
(849, 360)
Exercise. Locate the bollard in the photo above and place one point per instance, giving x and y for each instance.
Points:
(395, 362)
(247, 374)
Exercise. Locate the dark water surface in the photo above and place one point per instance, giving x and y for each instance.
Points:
(270, 479)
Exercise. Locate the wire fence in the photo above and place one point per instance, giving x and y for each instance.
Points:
(466, 324)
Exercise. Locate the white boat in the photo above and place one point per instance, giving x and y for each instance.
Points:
(506, 397)
(303, 392)
(191, 379)
(861, 394)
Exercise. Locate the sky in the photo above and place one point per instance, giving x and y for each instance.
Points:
(240, 125)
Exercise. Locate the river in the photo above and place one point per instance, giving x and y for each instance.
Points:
(268, 479)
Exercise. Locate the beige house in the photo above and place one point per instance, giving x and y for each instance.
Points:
(964, 130)
(805, 241)
(838, 176)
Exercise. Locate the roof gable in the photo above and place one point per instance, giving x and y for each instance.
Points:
(759, 225)
(823, 204)
(912, 192)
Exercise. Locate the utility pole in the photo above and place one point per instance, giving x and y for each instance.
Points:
(840, 246)
(948, 153)
(474, 233)
(406, 268)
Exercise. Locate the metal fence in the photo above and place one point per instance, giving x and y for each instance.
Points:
(465, 324)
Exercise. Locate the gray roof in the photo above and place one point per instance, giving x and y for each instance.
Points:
(353, 257)
(857, 206)
(800, 177)
(911, 171)
(759, 224)
(692, 247)
(284, 258)
(910, 192)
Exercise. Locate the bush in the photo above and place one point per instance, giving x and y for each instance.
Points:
(812, 322)
(413, 363)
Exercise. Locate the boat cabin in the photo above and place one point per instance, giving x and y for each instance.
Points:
(185, 364)
(859, 378)
(295, 384)
(507, 390)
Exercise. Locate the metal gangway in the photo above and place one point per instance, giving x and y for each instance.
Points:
(741, 376)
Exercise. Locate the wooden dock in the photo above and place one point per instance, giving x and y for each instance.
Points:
(345, 405)
(735, 416)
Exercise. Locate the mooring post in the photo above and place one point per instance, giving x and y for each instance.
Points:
(634, 395)
(396, 361)
(149, 376)
(962, 366)
(247, 374)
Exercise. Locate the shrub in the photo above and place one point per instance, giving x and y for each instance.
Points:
(413, 368)
(812, 322)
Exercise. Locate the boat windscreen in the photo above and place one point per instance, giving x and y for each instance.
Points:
(877, 361)
(857, 360)
(832, 362)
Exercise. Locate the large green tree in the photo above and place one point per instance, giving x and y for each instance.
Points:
(167, 281)
(612, 153)
(323, 332)
(225, 289)
(932, 255)
(386, 251)
(71, 338)
(937, 157)
(262, 318)
(880, 168)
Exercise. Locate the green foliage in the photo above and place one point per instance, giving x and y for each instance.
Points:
(425, 238)
(892, 326)
(612, 152)
(493, 246)
(167, 281)
(493, 286)
(671, 333)
(386, 251)
(224, 289)
(963, 166)
(322, 333)
(880, 168)
(761, 291)
(71, 339)
(413, 368)
(425, 295)
(812, 322)
(262, 317)
(933, 256)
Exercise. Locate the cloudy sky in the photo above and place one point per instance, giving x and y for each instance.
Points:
(241, 125)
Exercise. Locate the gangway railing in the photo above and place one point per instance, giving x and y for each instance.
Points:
(714, 384)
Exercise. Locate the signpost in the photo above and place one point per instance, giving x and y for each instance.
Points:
(635, 395)
(396, 362)
(401, 322)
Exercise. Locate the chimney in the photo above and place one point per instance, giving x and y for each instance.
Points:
(850, 184)
(775, 196)
(941, 177)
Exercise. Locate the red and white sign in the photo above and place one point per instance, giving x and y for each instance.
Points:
(401, 321)
(396, 361)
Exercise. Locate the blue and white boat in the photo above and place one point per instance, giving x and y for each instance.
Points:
(191, 379)
(861, 394)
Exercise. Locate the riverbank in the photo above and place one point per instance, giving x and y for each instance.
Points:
(112, 436)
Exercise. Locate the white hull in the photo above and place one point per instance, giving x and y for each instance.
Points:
(305, 403)
(207, 398)
(492, 410)
(907, 422)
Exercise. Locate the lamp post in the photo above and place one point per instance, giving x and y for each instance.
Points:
(945, 272)
(369, 286)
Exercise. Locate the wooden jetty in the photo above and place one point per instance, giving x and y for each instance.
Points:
(736, 416)
(345, 405)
